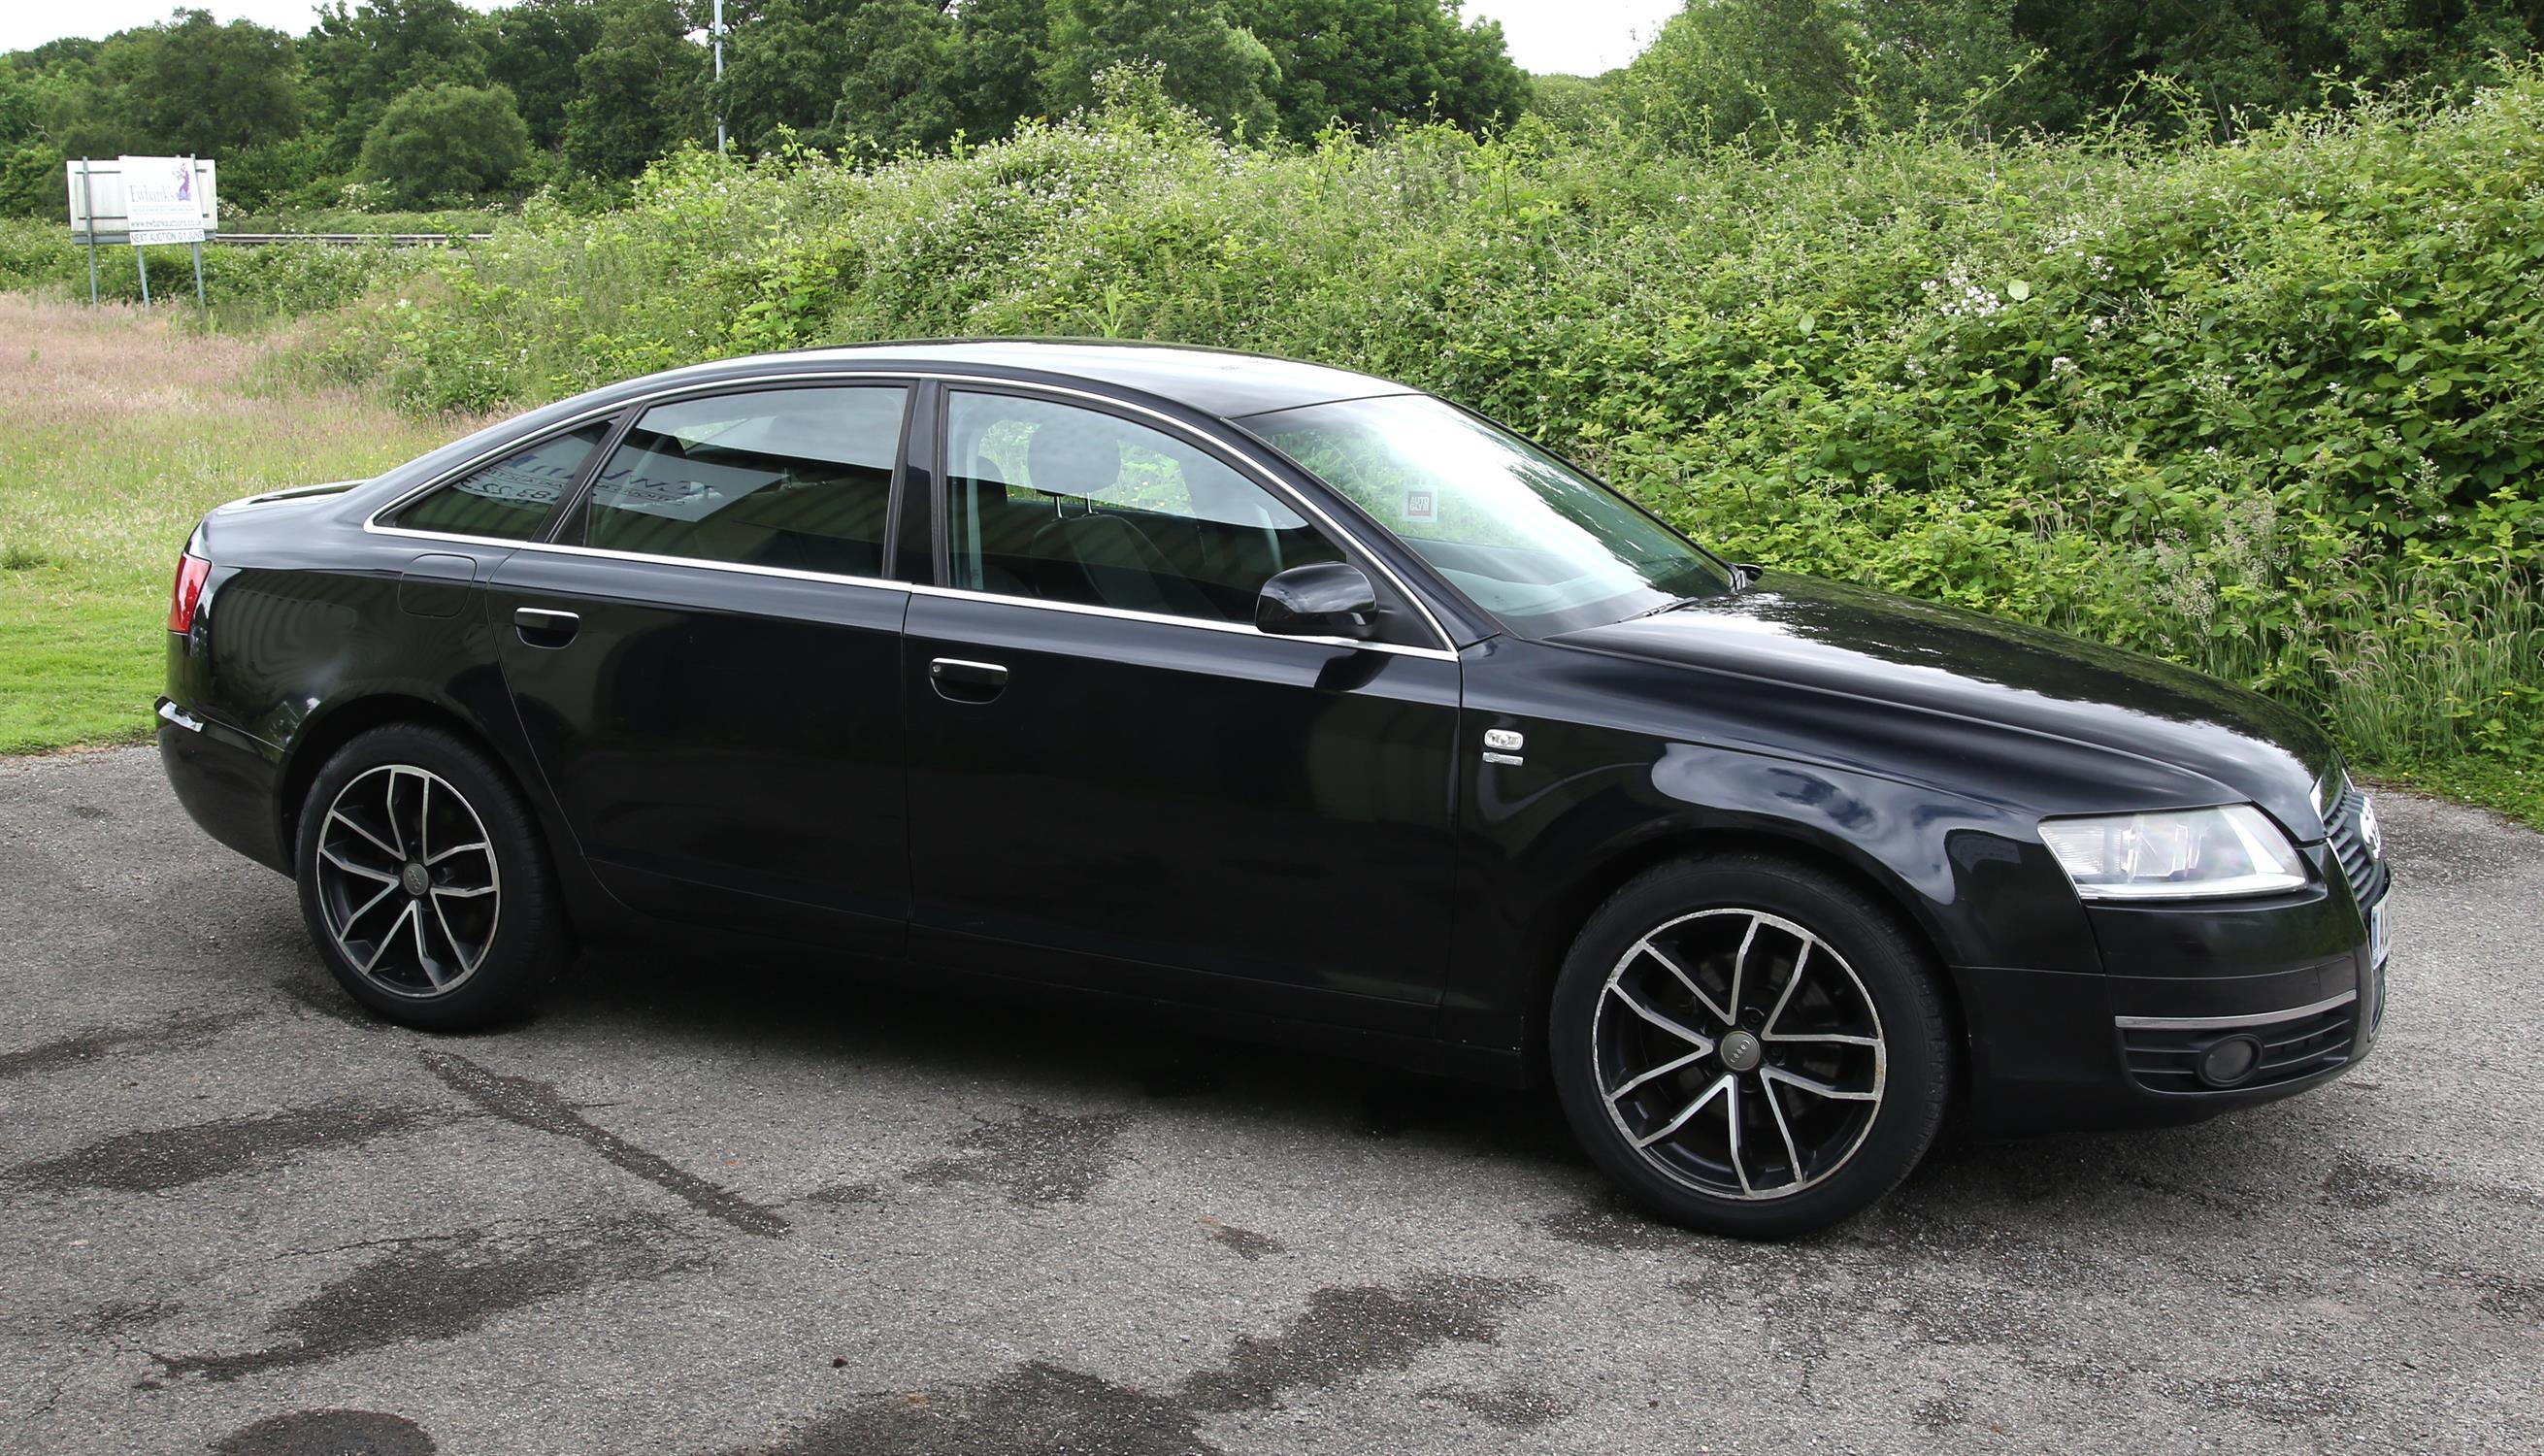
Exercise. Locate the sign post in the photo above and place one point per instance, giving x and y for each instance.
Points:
(88, 211)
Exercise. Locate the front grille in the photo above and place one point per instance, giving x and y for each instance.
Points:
(2166, 1059)
(2365, 872)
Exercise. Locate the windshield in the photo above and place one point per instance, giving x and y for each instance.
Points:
(1531, 540)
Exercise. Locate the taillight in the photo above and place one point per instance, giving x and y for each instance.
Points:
(190, 573)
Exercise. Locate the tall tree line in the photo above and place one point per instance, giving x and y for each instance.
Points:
(424, 102)
(1726, 68)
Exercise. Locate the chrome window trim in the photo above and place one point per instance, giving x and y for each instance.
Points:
(1251, 465)
(2225, 1024)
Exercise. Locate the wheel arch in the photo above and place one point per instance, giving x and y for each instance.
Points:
(1568, 909)
(324, 735)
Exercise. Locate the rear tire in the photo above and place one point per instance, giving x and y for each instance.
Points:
(425, 882)
(1749, 1046)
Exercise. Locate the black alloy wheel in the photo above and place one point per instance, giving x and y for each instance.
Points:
(1749, 1046)
(424, 881)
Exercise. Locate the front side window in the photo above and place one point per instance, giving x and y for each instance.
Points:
(512, 499)
(1527, 538)
(794, 478)
(1062, 504)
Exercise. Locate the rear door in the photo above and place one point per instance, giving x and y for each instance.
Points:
(706, 661)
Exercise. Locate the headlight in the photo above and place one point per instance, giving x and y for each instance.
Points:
(2178, 854)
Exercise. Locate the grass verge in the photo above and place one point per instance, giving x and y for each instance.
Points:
(2492, 783)
(117, 432)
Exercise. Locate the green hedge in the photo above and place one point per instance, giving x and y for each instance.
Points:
(241, 283)
(2274, 408)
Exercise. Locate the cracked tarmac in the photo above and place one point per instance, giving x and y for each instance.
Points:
(737, 1207)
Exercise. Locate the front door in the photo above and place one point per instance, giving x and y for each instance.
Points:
(708, 675)
(1116, 779)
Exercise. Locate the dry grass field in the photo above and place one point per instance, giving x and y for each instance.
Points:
(117, 430)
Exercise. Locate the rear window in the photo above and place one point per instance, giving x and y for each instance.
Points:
(510, 500)
(794, 478)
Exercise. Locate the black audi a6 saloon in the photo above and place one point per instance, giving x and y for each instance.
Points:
(1283, 696)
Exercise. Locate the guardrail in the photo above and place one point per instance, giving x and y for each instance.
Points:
(352, 239)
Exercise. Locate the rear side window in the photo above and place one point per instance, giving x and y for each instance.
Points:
(512, 499)
(792, 478)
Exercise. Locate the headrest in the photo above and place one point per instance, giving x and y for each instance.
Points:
(1073, 454)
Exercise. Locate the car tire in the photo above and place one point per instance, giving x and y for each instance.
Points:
(1812, 1097)
(424, 881)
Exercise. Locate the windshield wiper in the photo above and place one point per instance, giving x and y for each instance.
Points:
(1672, 605)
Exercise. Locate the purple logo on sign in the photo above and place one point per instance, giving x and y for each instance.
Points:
(185, 182)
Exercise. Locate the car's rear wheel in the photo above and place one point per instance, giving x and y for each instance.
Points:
(1749, 1046)
(423, 880)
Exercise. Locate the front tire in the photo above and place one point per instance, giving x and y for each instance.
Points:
(1749, 1046)
(424, 881)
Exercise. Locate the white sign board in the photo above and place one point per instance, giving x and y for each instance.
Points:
(159, 204)
(142, 199)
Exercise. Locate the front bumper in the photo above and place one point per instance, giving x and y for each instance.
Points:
(2295, 974)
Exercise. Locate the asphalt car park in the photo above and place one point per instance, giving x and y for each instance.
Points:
(706, 1207)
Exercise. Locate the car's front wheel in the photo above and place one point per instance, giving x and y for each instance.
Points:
(1749, 1046)
(424, 882)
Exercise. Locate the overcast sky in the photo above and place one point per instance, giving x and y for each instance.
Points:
(1582, 36)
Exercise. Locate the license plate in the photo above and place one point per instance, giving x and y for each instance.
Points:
(2376, 935)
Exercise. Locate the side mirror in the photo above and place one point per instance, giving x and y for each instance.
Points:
(1330, 598)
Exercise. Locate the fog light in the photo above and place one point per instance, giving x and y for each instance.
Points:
(2230, 1061)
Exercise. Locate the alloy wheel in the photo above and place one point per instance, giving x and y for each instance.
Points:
(407, 882)
(1738, 1053)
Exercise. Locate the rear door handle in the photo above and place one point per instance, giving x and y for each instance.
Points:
(541, 628)
(958, 679)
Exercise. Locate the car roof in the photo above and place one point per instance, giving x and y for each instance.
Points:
(1217, 382)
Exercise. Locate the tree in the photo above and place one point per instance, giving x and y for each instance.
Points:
(639, 93)
(1370, 61)
(186, 85)
(193, 85)
(22, 118)
(783, 66)
(1578, 105)
(1718, 71)
(536, 48)
(901, 92)
(2268, 55)
(361, 56)
(442, 143)
(1211, 63)
(30, 172)
(997, 64)
(1726, 68)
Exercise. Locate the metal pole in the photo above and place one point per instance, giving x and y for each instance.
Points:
(716, 28)
(88, 210)
(141, 265)
(194, 181)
